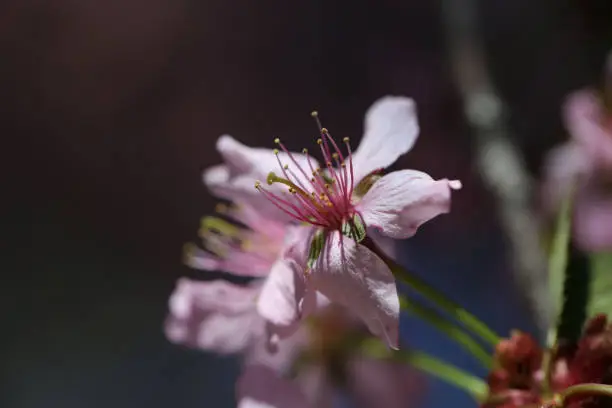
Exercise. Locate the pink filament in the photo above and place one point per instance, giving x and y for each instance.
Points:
(319, 202)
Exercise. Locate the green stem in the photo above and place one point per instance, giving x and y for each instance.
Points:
(586, 390)
(422, 361)
(470, 321)
(452, 330)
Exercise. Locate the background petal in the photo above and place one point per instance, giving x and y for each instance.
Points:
(353, 276)
(378, 383)
(587, 122)
(391, 128)
(215, 316)
(401, 201)
(261, 387)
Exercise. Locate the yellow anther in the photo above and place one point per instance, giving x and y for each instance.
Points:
(305, 151)
(285, 166)
(314, 114)
(258, 184)
(275, 151)
(324, 131)
(272, 177)
(319, 141)
(335, 155)
(217, 225)
(277, 140)
(346, 140)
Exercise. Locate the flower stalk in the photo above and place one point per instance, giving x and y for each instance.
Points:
(450, 329)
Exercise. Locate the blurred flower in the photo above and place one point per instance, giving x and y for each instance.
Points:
(586, 162)
(330, 363)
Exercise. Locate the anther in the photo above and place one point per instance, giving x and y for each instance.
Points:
(258, 184)
(346, 140)
(335, 155)
(275, 151)
(319, 141)
(272, 177)
(324, 131)
(305, 151)
(286, 166)
(277, 140)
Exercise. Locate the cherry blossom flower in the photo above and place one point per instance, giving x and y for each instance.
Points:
(339, 202)
(586, 163)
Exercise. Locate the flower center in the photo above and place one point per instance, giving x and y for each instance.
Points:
(317, 196)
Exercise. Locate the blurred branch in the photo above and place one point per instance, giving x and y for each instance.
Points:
(499, 161)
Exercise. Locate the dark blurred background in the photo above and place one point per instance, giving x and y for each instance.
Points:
(110, 110)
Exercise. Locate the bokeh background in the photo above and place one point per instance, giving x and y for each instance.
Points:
(110, 110)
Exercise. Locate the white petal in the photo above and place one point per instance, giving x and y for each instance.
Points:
(391, 128)
(261, 387)
(401, 201)
(353, 276)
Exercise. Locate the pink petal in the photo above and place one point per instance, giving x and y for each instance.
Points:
(260, 387)
(401, 201)
(353, 276)
(282, 294)
(236, 262)
(314, 380)
(244, 165)
(586, 121)
(215, 316)
(236, 187)
(564, 166)
(284, 355)
(391, 128)
(593, 219)
(378, 383)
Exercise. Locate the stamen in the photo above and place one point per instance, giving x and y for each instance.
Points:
(321, 197)
(214, 224)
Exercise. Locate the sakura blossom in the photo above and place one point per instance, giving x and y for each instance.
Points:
(338, 202)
